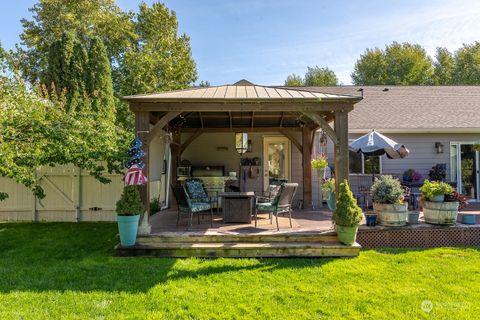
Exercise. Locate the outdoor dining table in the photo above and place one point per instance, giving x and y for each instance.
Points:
(237, 206)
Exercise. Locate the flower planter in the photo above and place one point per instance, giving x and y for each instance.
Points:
(444, 213)
(412, 217)
(391, 215)
(346, 235)
(128, 227)
(469, 218)
(371, 219)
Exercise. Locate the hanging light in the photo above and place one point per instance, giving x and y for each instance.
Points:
(323, 139)
(241, 142)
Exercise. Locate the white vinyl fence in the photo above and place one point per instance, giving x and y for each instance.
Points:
(71, 195)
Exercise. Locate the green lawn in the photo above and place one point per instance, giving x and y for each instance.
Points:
(51, 271)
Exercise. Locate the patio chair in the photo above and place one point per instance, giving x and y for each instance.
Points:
(196, 191)
(282, 203)
(269, 195)
(190, 207)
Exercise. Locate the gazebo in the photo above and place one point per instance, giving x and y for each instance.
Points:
(251, 108)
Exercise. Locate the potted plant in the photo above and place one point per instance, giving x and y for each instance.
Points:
(319, 164)
(129, 208)
(388, 194)
(435, 209)
(347, 215)
(328, 188)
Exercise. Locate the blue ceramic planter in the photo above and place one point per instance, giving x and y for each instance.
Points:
(468, 218)
(371, 220)
(128, 227)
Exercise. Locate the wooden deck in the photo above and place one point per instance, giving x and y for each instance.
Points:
(312, 235)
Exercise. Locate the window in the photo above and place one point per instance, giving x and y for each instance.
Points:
(364, 164)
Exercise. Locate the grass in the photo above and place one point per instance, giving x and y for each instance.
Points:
(68, 271)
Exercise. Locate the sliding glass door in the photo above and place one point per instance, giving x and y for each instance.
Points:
(464, 164)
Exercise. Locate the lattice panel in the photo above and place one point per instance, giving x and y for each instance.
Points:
(419, 238)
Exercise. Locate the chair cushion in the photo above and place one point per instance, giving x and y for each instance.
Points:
(195, 190)
(265, 206)
(199, 206)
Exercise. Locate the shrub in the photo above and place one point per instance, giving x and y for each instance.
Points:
(130, 203)
(347, 212)
(387, 189)
(155, 205)
(432, 189)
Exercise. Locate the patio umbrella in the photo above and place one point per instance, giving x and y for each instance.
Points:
(376, 144)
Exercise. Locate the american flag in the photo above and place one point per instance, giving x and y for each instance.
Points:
(135, 176)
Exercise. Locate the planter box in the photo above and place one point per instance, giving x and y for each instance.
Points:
(391, 215)
(444, 213)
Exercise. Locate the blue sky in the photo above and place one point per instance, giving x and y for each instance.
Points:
(264, 41)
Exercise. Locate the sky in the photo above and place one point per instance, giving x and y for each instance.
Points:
(265, 41)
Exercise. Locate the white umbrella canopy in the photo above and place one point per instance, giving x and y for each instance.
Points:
(376, 144)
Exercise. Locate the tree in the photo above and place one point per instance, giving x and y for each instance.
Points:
(294, 80)
(369, 68)
(204, 84)
(398, 64)
(99, 78)
(443, 67)
(84, 18)
(37, 129)
(467, 64)
(160, 60)
(320, 77)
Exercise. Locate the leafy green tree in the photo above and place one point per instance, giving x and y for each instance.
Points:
(467, 64)
(57, 71)
(443, 67)
(370, 68)
(37, 129)
(204, 84)
(320, 77)
(293, 80)
(398, 64)
(77, 72)
(160, 60)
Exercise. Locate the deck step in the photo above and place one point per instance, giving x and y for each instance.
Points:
(241, 249)
(326, 237)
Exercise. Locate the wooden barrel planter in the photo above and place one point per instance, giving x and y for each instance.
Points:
(444, 213)
(391, 215)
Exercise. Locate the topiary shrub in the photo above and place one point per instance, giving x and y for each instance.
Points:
(130, 203)
(388, 190)
(347, 212)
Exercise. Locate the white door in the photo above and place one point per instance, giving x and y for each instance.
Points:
(276, 159)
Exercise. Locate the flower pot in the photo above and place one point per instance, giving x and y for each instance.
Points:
(444, 213)
(439, 198)
(128, 227)
(321, 173)
(346, 235)
(371, 219)
(391, 215)
(331, 201)
(469, 218)
(412, 217)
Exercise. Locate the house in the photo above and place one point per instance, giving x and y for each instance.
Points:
(438, 124)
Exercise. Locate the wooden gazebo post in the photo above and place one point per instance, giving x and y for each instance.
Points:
(341, 148)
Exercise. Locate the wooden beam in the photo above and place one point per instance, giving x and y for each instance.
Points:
(142, 129)
(246, 129)
(323, 124)
(176, 154)
(190, 139)
(341, 149)
(240, 106)
(281, 120)
(253, 117)
(307, 168)
(161, 124)
(230, 119)
(292, 138)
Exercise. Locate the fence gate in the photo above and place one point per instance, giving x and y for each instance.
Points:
(71, 195)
